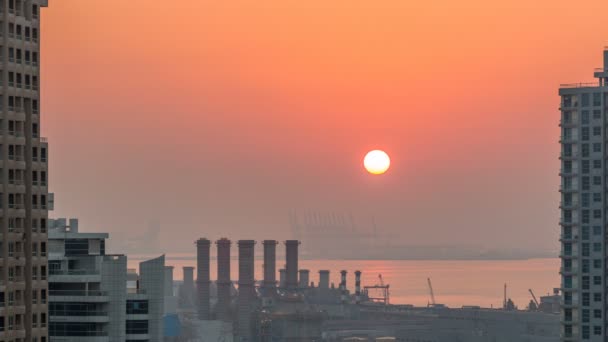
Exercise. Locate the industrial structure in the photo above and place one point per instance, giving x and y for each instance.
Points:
(25, 200)
(224, 283)
(583, 208)
(203, 278)
(297, 310)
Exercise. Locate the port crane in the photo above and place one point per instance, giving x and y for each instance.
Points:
(534, 298)
(431, 291)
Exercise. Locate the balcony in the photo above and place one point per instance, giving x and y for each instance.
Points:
(78, 295)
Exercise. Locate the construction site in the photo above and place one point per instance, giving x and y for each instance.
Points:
(294, 307)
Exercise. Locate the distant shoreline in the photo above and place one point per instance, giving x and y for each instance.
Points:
(235, 257)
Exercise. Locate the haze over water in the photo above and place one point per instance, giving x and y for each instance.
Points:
(456, 283)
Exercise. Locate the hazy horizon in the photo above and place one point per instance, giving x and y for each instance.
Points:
(215, 122)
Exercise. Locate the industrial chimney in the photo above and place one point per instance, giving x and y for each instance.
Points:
(304, 279)
(358, 287)
(246, 289)
(223, 279)
(270, 267)
(343, 285)
(291, 264)
(282, 279)
(203, 281)
(324, 279)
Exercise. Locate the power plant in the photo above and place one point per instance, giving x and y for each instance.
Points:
(300, 309)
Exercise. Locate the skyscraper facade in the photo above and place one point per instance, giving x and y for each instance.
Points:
(25, 201)
(584, 172)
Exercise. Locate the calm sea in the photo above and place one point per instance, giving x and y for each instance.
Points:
(455, 283)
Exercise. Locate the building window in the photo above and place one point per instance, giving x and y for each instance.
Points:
(586, 166)
(597, 180)
(585, 266)
(597, 280)
(597, 230)
(586, 302)
(585, 314)
(137, 327)
(585, 133)
(585, 232)
(597, 313)
(585, 101)
(586, 283)
(597, 297)
(586, 249)
(597, 330)
(597, 263)
(597, 131)
(597, 99)
(585, 332)
(597, 147)
(597, 114)
(597, 247)
(137, 307)
(597, 197)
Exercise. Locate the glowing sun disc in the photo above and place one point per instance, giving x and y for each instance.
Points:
(376, 162)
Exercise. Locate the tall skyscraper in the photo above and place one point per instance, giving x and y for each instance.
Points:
(23, 172)
(584, 205)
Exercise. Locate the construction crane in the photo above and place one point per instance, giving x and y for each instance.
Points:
(431, 291)
(534, 297)
(378, 293)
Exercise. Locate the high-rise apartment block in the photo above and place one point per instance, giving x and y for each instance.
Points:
(24, 199)
(584, 205)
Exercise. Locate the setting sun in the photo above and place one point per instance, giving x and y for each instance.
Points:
(376, 162)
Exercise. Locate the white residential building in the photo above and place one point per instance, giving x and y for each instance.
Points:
(94, 297)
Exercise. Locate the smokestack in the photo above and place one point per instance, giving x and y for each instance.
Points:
(270, 267)
(291, 267)
(187, 289)
(282, 278)
(324, 279)
(203, 247)
(304, 279)
(358, 287)
(223, 279)
(246, 288)
(343, 285)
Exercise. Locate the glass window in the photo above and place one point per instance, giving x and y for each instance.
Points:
(585, 100)
(597, 197)
(585, 314)
(597, 280)
(586, 299)
(585, 199)
(585, 117)
(584, 133)
(597, 99)
(597, 147)
(597, 114)
(597, 230)
(597, 131)
(597, 297)
(597, 263)
(597, 164)
(597, 330)
(586, 166)
(597, 313)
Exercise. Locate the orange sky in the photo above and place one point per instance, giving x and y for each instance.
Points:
(220, 116)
